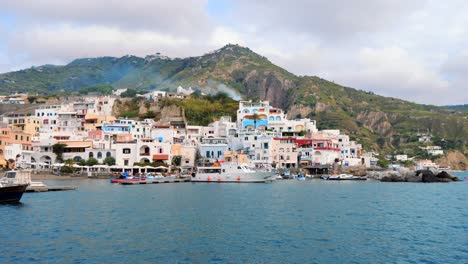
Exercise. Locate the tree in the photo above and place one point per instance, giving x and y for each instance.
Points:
(69, 162)
(176, 160)
(129, 93)
(383, 163)
(255, 117)
(381, 142)
(109, 161)
(58, 150)
(92, 162)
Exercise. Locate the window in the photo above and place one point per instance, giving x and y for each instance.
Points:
(208, 154)
(99, 155)
(21, 137)
(91, 155)
(108, 154)
(246, 138)
(219, 153)
(125, 162)
(16, 137)
(126, 151)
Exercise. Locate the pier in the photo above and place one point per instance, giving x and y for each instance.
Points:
(155, 181)
(42, 187)
(49, 188)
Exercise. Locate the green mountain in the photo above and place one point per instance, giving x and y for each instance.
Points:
(380, 123)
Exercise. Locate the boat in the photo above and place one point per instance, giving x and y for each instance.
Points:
(300, 177)
(154, 176)
(343, 177)
(227, 172)
(124, 177)
(12, 186)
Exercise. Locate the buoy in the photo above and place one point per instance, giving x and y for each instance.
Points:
(209, 178)
(238, 178)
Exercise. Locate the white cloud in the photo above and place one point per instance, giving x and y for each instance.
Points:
(407, 49)
(66, 42)
(393, 72)
(329, 19)
(223, 35)
(173, 17)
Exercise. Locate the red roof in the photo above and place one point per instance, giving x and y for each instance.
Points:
(160, 157)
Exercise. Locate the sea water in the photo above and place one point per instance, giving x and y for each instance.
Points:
(287, 221)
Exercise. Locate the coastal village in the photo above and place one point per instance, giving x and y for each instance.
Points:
(82, 136)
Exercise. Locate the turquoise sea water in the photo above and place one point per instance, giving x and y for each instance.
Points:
(289, 221)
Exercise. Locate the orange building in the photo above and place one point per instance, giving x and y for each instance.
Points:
(8, 137)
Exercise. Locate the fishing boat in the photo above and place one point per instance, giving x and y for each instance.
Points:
(343, 177)
(226, 172)
(124, 177)
(12, 186)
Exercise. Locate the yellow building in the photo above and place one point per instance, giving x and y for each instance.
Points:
(27, 124)
(233, 156)
(93, 121)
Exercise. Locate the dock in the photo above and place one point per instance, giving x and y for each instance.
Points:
(49, 188)
(42, 187)
(156, 181)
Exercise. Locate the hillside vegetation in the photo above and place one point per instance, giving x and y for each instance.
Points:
(380, 123)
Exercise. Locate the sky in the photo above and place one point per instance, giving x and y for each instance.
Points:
(411, 49)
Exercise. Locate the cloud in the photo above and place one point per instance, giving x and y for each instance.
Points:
(67, 42)
(393, 72)
(410, 49)
(326, 19)
(175, 17)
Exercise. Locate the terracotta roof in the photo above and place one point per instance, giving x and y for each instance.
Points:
(160, 157)
(77, 144)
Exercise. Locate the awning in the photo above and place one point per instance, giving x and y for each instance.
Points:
(161, 157)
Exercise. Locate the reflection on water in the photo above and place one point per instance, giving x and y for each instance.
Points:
(283, 222)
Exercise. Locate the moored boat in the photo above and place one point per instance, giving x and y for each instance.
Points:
(13, 185)
(124, 177)
(226, 172)
(343, 177)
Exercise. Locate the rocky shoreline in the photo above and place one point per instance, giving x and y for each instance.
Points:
(404, 175)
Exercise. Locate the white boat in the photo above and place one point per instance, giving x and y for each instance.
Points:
(12, 185)
(344, 177)
(227, 172)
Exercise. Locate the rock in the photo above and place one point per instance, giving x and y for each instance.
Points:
(434, 171)
(446, 175)
(393, 176)
(429, 176)
(412, 177)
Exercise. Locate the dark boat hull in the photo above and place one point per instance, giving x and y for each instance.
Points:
(12, 194)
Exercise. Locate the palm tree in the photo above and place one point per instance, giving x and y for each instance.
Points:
(69, 162)
(255, 117)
